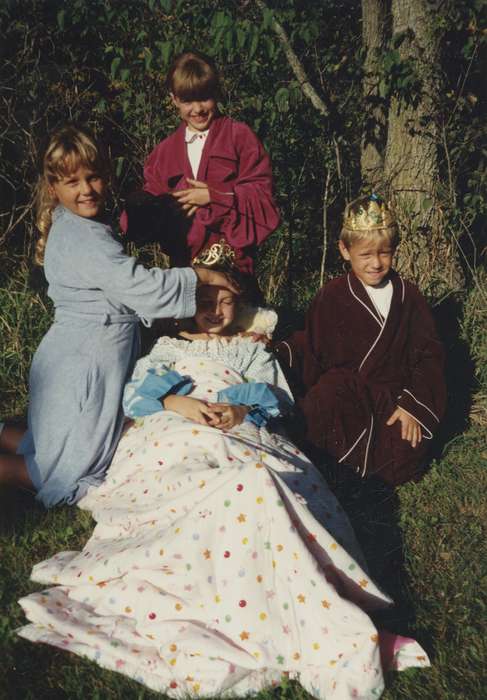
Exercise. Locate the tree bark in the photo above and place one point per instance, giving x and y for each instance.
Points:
(375, 16)
(411, 171)
(411, 164)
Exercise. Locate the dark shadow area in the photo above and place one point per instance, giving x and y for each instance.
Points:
(18, 507)
(459, 374)
(373, 509)
(37, 279)
(18, 510)
(28, 678)
(288, 321)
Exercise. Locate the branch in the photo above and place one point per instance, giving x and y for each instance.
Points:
(323, 106)
(325, 229)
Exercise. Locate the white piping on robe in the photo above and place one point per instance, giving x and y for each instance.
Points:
(290, 352)
(368, 445)
(422, 404)
(382, 323)
(372, 347)
(426, 437)
(353, 446)
(364, 305)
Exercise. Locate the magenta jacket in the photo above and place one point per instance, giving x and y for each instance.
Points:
(238, 172)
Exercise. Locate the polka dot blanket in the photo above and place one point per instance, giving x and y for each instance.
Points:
(220, 564)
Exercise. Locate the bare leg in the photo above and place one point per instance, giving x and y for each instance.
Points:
(13, 472)
(10, 437)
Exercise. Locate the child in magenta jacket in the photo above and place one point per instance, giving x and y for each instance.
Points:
(216, 168)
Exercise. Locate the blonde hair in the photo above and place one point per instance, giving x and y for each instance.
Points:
(369, 217)
(69, 148)
(193, 76)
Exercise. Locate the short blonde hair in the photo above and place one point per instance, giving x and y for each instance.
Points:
(69, 148)
(367, 218)
(193, 76)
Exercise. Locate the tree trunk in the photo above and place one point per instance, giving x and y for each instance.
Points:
(411, 164)
(375, 15)
(411, 158)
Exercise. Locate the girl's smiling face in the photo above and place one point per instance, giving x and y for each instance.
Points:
(82, 192)
(215, 309)
(198, 114)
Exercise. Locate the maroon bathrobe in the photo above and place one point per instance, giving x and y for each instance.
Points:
(237, 170)
(355, 369)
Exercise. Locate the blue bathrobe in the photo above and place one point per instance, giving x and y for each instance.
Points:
(80, 368)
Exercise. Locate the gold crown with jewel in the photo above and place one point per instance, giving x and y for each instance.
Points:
(217, 254)
(368, 214)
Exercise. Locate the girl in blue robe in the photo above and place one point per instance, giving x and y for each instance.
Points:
(99, 294)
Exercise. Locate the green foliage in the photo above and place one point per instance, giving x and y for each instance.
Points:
(461, 120)
(474, 328)
(104, 62)
(399, 77)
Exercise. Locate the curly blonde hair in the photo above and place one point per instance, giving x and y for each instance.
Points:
(69, 148)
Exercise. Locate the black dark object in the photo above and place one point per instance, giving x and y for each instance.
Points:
(37, 279)
(159, 219)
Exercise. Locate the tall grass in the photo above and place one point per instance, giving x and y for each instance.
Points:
(24, 318)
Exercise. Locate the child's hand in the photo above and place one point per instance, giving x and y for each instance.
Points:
(193, 409)
(198, 195)
(213, 277)
(410, 428)
(227, 416)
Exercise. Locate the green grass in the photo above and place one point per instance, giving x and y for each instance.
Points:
(24, 318)
(426, 545)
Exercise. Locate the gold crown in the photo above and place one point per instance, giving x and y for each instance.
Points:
(376, 216)
(217, 254)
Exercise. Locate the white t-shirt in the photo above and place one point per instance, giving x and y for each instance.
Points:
(381, 297)
(195, 141)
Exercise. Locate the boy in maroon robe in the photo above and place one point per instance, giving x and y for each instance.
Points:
(369, 365)
(216, 169)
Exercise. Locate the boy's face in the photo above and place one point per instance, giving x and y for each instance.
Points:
(215, 309)
(82, 192)
(370, 259)
(198, 114)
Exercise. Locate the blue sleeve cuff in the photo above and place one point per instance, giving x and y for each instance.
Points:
(262, 401)
(146, 398)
